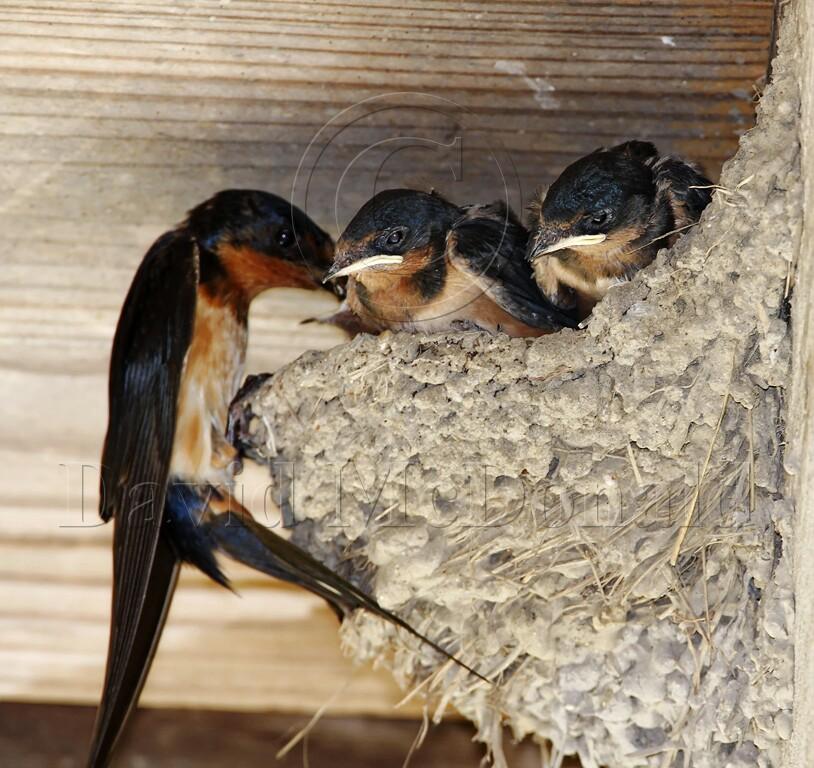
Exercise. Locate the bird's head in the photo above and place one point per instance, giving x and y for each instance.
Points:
(258, 241)
(598, 205)
(397, 232)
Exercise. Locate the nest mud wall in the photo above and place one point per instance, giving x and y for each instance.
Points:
(597, 520)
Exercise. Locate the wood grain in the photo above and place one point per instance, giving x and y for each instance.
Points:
(118, 116)
(38, 736)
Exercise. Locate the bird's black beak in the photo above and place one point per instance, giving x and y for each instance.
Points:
(315, 252)
(338, 266)
(545, 240)
(539, 243)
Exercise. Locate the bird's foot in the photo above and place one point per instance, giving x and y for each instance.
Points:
(241, 416)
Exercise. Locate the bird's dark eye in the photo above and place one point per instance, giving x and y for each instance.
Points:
(395, 237)
(284, 237)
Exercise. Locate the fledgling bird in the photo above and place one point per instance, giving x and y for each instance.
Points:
(416, 262)
(176, 364)
(607, 216)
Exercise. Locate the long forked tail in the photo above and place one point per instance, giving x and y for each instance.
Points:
(140, 606)
(240, 536)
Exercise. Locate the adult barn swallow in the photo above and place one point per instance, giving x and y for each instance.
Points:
(175, 366)
(416, 262)
(606, 217)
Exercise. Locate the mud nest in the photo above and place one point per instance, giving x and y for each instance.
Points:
(595, 519)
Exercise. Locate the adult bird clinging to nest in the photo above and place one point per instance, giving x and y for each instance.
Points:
(167, 464)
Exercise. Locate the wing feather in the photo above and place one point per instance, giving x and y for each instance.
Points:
(488, 243)
(149, 348)
(689, 189)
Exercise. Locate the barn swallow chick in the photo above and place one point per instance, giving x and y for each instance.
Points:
(416, 262)
(607, 216)
(176, 364)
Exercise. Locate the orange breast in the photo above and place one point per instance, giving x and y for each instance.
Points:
(212, 374)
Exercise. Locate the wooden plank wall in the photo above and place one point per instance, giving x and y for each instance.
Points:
(119, 115)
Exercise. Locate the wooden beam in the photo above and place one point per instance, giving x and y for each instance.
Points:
(36, 735)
